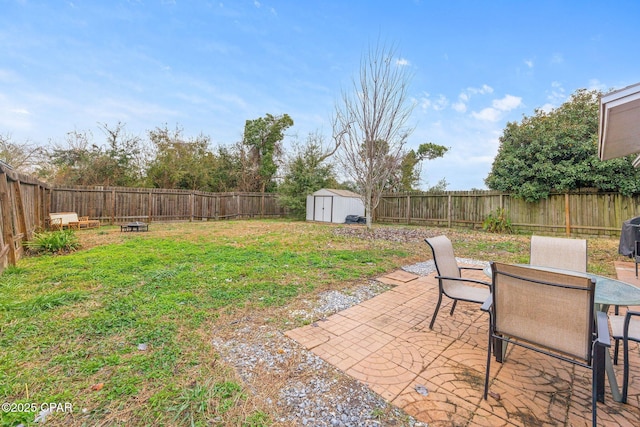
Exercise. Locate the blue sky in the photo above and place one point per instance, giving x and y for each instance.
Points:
(208, 66)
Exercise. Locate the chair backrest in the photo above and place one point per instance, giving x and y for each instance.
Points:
(558, 252)
(443, 256)
(546, 309)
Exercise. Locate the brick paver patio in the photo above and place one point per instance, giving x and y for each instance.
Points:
(437, 375)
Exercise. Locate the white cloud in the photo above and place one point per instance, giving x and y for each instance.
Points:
(555, 96)
(498, 106)
(438, 103)
(257, 4)
(508, 103)
(459, 106)
(595, 84)
(8, 76)
(487, 114)
(557, 58)
(424, 102)
(465, 96)
(547, 108)
(529, 63)
(481, 91)
(402, 62)
(12, 117)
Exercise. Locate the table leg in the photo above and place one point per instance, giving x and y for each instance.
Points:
(499, 349)
(608, 368)
(613, 382)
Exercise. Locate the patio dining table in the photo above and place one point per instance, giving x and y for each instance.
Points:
(608, 292)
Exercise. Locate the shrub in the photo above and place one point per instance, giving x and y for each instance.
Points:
(498, 222)
(61, 241)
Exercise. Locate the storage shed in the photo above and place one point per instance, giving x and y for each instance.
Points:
(329, 205)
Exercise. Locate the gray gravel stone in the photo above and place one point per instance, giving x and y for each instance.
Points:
(327, 397)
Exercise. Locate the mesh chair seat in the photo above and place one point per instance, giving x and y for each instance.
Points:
(450, 280)
(467, 293)
(625, 328)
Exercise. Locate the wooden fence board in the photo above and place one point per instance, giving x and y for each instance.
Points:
(26, 202)
(22, 200)
(574, 213)
(112, 205)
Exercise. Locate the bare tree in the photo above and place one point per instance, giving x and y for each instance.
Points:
(369, 124)
(22, 156)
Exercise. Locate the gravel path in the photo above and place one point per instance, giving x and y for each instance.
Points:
(306, 390)
(303, 389)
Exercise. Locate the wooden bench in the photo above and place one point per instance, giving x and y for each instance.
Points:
(62, 220)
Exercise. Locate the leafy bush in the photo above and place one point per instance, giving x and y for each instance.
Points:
(498, 222)
(61, 241)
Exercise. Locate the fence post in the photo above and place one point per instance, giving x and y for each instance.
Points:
(7, 227)
(192, 202)
(408, 209)
(113, 206)
(150, 206)
(22, 220)
(567, 214)
(449, 210)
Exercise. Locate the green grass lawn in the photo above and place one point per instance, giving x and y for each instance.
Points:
(121, 329)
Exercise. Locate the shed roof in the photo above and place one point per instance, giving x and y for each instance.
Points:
(342, 193)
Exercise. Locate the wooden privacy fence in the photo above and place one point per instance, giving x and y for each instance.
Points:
(573, 213)
(23, 209)
(112, 205)
(25, 203)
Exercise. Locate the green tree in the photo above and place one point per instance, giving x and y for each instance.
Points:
(179, 162)
(305, 172)
(557, 151)
(260, 150)
(410, 168)
(123, 160)
(83, 162)
(439, 187)
(226, 170)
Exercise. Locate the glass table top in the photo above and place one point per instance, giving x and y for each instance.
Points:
(608, 291)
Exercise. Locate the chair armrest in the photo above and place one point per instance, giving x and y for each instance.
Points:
(602, 325)
(486, 305)
(470, 268)
(627, 320)
(462, 279)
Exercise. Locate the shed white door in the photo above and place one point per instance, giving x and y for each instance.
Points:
(322, 208)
